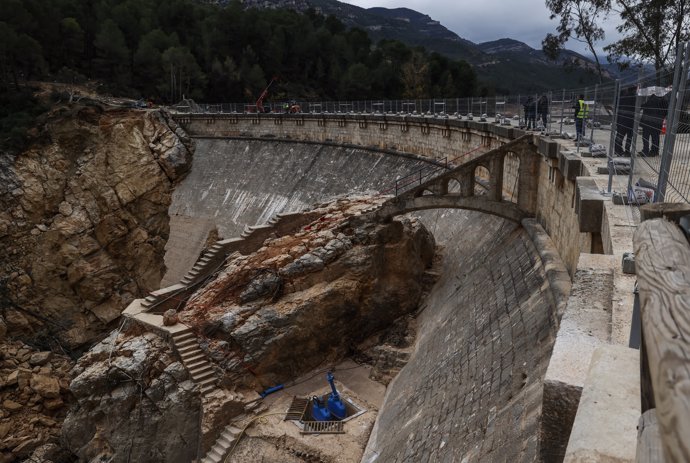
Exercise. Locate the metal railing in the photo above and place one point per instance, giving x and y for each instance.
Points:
(642, 124)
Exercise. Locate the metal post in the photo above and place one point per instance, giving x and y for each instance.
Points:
(562, 111)
(636, 127)
(614, 130)
(680, 79)
(594, 112)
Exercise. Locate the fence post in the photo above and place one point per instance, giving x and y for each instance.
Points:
(636, 127)
(594, 113)
(562, 112)
(680, 79)
(614, 132)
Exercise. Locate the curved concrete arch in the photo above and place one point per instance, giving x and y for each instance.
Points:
(504, 209)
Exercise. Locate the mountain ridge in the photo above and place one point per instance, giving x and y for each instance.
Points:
(530, 69)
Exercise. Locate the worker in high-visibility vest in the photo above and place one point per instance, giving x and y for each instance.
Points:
(581, 113)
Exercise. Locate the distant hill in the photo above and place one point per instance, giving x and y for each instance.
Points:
(529, 69)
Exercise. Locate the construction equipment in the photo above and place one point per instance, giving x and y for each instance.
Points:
(260, 101)
(319, 411)
(335, 403)
(291, 107)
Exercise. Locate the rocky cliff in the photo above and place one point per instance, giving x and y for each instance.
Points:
(33, 393)
(134, 402)
(83, 218)
(309, 297)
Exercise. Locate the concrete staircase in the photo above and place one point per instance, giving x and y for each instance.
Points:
(224, 443)
(194, 360)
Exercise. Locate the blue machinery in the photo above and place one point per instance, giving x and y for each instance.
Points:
(333, 409)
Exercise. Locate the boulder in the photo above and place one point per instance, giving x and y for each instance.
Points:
(40, 358)
(46, 386)
(170, 317)
(11, 405)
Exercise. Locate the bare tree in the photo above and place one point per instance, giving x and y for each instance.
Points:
(578, 20)
(652, 30)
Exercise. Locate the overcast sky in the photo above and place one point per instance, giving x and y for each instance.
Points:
(485, 20)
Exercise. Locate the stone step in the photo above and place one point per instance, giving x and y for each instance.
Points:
(201, 369)
(212, 458)
(206, 381)
(233, 430)
(201, 376)
(193, 357)
(193, 272)
(183, 336)
(204, 260)
(150, 298)
(226, 441)
(196, 363)
(217, 454)
(188, 349)
(186, 281)
(205, 390)
(187, 342)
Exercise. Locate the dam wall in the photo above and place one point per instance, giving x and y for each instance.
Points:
(472, 389)
(442, 140)
(497, 297)
(234, 183)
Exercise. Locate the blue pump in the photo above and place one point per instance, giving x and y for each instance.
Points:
(319, 411)
(335, 404)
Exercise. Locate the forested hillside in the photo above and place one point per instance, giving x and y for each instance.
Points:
(164, 49)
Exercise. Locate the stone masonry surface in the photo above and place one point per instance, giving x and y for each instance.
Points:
(472, 389)
(235, 183)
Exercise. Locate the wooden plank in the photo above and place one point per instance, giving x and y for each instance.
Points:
(648, 441)
(663, 270)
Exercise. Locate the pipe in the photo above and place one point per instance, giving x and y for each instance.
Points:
(271, 390)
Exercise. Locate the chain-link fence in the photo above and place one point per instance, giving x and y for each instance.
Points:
(640, 124)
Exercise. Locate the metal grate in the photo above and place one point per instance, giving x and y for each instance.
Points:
(323, 427)
(297, 408)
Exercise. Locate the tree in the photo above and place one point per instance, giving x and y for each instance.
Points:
(415, 73)
(652, 30)
(71, 42)
(187, 80)
(356, 82)
(112, 52)
(578, 20)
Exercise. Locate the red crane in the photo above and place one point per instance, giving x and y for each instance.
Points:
(260, 101)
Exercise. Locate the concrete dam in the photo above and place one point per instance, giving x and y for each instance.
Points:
(482, 379)
(454, 285)
(486, 333)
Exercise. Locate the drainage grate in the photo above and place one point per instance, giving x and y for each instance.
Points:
(297, 408)
(323, 427)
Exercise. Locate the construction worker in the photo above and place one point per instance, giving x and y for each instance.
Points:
(581, 113)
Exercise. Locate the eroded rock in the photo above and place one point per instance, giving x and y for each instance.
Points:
(134, 402)
(83, 217)
(346, 278)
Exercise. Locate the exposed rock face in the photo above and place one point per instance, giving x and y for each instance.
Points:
(33, 392)
(83, 218)
(134, 402)
(311, 296)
